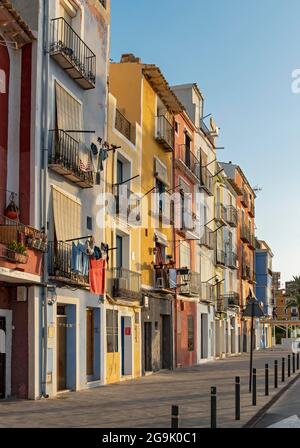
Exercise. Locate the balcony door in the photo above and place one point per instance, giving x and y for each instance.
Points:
(61, 323)
(187, 150)
(89, 342)
(119, 251)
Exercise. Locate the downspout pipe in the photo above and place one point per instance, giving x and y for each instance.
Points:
(174, 330)
(44, 182)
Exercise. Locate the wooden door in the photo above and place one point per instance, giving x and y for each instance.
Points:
(148, 346)
(89, 342)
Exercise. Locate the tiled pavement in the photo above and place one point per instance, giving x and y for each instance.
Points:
(146, 402)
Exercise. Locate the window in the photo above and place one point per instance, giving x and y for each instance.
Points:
(68, 112)
(112, 331)
(176, 127)
(89, 223)
(103, 3)
(161, 188)
(190, 324)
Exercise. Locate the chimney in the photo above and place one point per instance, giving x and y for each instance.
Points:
(129, 57)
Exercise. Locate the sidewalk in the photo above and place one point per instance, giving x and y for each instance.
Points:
(146, 402)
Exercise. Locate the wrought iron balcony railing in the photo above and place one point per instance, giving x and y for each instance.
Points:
(124, 283)
(71, 159)
(232, 216)
(206, 181)
(124, 126)
(220, 213)
(231, 260)
(245, 234)
(127, 202)
(186, 156)
(192, 286)
(226, 301)
(220, 257)
(165, 132)
(207, 292)
(60, 265)
(245, 199)
(72, 54)
(207, 238)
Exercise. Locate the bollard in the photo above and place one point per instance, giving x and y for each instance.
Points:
(267, 379)
(237, 398)
(213, 407)
(174, 416)
(298, 360)
(254, 387)
(275, 374)
(294, 363)
(289, 365)
(283, 370)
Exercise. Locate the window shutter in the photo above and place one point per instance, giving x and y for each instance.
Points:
(160, 171)
(67, 216)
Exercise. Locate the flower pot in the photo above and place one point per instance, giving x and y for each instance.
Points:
(11, 255)
(36, 244)
(21, 258)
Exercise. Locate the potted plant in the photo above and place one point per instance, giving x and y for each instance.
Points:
(17, 252)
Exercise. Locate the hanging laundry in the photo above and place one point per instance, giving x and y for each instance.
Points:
(103, 154)
(76, 259)
(86, 167)
(97, 276)
(85, 259)
(94, 149)
(172, 278)
(97, 253)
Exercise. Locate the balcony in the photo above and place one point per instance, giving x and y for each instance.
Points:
(165, 133)
(162, 279)
(127, 204)
(21, 252)
(123, 283)
(220, 258)
(232, 216)
(206, 181)
(72, 54)
(220, 213)
(251, 208)
(231, 260)
(207, 292)
(226, 301)
(206, 131)
(192, 286)
(248, 273)
(125, 127)
(207, 239)
(71, 159)
(251, 240)
(60, 266)
(245, 199)
(188, 161)
(245, 234)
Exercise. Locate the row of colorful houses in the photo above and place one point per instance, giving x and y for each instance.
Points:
(126, 245)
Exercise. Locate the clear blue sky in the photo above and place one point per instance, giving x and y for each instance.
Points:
(241, 53)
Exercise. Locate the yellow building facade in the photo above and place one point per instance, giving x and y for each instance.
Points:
(147, 100)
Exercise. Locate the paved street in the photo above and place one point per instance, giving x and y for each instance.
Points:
(286, 407)
(146, 402)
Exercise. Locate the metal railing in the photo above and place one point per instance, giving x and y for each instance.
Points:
(207, 238)
(66, 41)
(207, 292)
(232, 216)
(185, 154)
(226, 301)
(231, 259)
(14, 231)
(193, 285)
(206, 180)
(220, 257)
(126, 201)
(165, 132)
(124, 126)
(124, 283)
(245, 234)
(245, 198)
(60, 264)
(71, 157)
(220, 212)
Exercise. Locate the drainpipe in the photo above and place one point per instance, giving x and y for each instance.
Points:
(174, 308)
(44, 182)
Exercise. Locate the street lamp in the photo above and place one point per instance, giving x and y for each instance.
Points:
(253, 309)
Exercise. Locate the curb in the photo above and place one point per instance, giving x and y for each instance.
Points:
(261, 413)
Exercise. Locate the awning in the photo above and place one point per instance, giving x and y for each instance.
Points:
(67, 215)
(68, 112)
